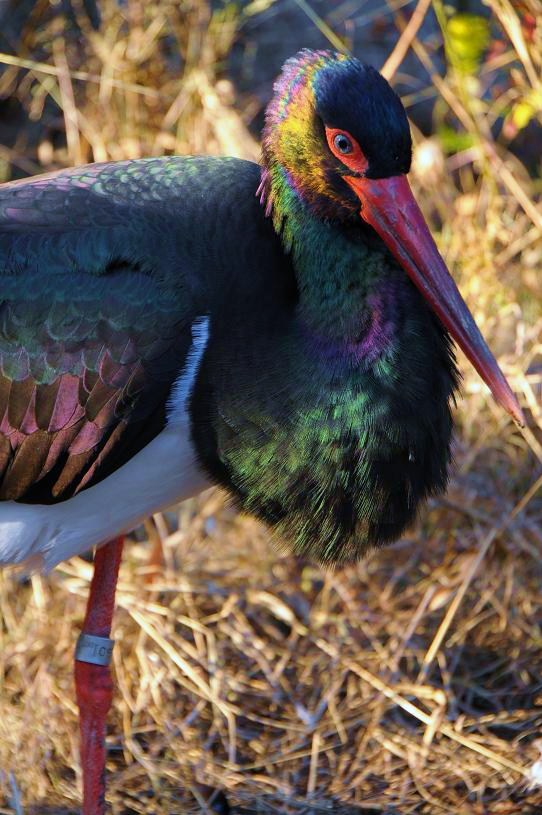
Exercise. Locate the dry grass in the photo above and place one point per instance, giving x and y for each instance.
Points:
(411, 683)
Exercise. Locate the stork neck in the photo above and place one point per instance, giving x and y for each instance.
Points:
(347, 283)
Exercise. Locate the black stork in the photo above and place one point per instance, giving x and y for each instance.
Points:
(283, 331)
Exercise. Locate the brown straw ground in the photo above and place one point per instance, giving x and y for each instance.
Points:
(410, 683)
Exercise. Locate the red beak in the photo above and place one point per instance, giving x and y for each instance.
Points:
(389, 206)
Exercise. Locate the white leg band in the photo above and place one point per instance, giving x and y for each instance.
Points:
(96, 650)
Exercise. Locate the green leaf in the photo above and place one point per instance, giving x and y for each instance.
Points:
(467, 39)
(454, 142)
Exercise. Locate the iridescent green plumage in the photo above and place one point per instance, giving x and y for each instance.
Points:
(105, 269)
(340, 424)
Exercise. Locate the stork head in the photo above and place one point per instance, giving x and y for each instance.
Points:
(337, 145)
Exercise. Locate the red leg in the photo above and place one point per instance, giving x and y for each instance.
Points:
(93, 683)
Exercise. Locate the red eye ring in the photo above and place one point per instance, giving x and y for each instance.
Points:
(354, 159)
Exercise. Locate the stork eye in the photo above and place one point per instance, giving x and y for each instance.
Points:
(346, 149)
(343, 144)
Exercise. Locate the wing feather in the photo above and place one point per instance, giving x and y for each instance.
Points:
(95, 317)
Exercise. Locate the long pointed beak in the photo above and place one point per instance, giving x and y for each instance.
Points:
(388, 205)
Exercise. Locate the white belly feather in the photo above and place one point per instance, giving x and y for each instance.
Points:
(163, 473)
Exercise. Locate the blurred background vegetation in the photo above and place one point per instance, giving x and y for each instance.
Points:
(411, 683)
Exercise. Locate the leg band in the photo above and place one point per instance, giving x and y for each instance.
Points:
(93, 649)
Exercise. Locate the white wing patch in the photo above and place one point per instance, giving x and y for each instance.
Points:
(163, 473)
(182, 389)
